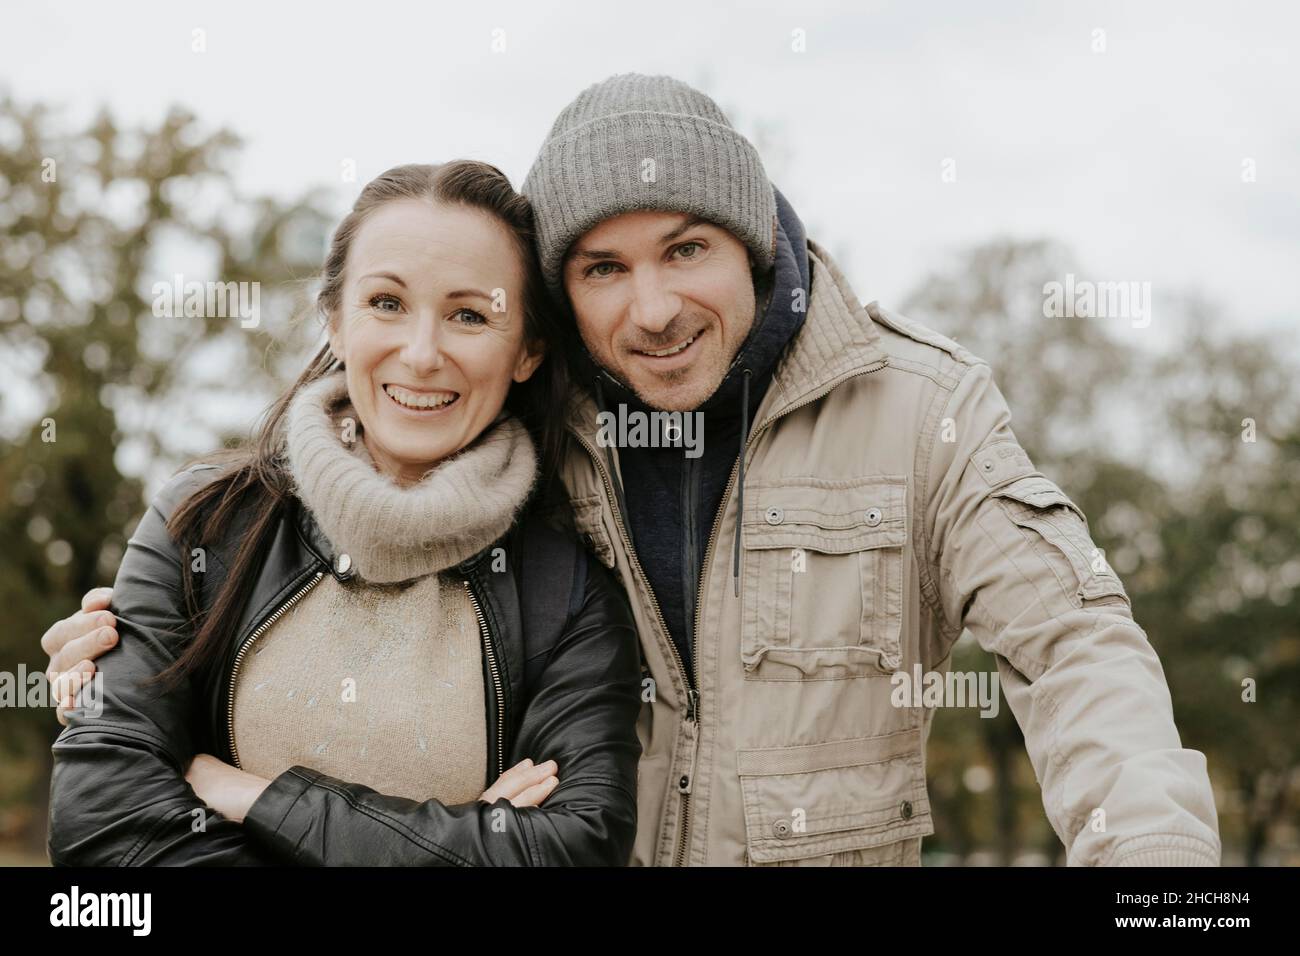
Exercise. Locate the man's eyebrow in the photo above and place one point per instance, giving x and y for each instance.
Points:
(592, 255)
(385, 275)
(689, 224)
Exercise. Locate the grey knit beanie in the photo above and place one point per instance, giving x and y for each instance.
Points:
(646, 142)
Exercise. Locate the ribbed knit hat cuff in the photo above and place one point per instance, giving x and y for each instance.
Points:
(635, 160)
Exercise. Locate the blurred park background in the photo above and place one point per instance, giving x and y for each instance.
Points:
(1180, 441)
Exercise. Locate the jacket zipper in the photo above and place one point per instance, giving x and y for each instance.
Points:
(627, 544)
(243, 650)
(298, 596)
(679, 858)
(692, 693)
(490, 651)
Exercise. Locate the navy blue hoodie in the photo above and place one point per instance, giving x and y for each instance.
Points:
(671, 500)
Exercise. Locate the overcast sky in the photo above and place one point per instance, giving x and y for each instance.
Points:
(1132, 156)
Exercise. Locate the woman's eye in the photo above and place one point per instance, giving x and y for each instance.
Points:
(596, 269)
(688, 250)
(470, 317)
(382, 302)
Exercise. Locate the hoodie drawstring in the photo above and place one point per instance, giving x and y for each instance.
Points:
(740, 486)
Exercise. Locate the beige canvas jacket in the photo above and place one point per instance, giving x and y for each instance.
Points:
(887, 506)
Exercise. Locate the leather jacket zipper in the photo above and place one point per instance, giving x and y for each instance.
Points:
(490, 651)
(488, 648)
(243, 650)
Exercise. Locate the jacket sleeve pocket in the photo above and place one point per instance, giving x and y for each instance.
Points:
(825, 566)
(854, 802)
(1055, 525)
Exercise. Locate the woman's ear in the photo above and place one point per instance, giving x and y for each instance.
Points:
(529, 359)
(335, 338)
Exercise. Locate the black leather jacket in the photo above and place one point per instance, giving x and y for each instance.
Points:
(118, 794)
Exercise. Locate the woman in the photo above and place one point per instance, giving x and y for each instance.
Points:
(338, 636)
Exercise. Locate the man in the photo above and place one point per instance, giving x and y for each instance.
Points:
(837, 496)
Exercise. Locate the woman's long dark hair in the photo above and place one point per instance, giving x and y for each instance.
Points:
(253, 488)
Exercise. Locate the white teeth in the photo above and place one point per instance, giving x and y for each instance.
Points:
(675, 349)
(408, 399)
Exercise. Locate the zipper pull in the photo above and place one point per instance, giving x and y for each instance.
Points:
(687, 781)
(692, 704)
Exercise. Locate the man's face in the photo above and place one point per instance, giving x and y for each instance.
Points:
(663, 302)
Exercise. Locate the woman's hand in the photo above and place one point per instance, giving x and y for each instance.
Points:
(226, 789)
(524, 785)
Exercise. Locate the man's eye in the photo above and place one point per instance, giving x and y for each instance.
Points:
(688, 250)
(470, 317)
(382, 302)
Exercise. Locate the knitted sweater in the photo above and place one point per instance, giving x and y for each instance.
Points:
(379, 680)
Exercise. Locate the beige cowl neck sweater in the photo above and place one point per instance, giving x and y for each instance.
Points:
(378, 680)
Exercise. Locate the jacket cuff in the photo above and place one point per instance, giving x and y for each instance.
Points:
(1166, 849)
(270, 819)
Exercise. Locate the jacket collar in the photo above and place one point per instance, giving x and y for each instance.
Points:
(838, 340)
(314, 540)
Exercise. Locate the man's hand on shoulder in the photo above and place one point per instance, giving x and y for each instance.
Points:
(73, 644)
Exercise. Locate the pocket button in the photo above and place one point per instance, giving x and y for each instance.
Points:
(774, 516)
(781, 829)
(905, 808)
(872, 517)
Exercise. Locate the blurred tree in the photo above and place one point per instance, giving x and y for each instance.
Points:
(1226, 591)
(102, 399)
(91, 221)
(1196, 511)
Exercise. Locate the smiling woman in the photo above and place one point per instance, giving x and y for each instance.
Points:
(308, 625)
(429, 353)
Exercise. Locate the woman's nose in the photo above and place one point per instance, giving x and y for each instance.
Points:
(422, 353)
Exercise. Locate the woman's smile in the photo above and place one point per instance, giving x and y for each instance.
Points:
(420, 402)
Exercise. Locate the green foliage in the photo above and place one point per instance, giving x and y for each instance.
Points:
(1200, 524)
(90, 219)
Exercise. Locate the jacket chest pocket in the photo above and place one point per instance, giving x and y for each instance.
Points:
(823, 577)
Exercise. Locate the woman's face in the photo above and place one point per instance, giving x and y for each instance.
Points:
(430, 327)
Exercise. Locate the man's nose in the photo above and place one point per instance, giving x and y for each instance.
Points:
(422, 353)
(654, 304)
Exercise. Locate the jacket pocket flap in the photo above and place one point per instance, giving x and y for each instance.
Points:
(818, 799)
(1037, 492)
(833, 516)
(1045, 509)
